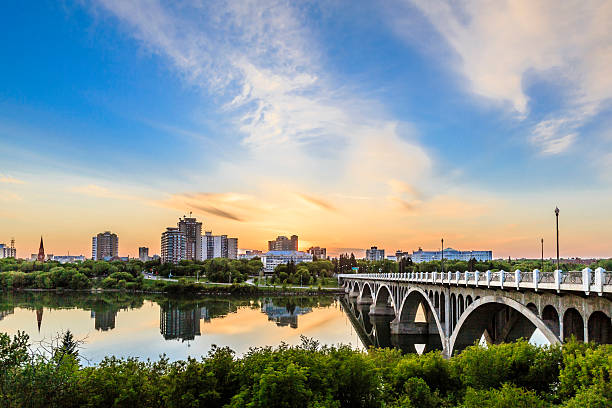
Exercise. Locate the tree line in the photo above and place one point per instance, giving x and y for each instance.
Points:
(309, 376)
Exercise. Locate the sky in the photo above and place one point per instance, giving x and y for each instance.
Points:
(349, 123)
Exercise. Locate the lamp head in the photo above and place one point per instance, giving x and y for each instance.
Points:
(557, 210)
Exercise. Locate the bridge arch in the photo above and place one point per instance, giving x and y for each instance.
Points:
(366, 291)
(429, 331)
(476, 319)
(550, 316)
(600, 328)
(573, 324)
(383, 299)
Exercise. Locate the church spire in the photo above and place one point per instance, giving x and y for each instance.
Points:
(41, 251)
(39, 316)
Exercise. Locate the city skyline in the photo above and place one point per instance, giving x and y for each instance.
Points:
(350, 124)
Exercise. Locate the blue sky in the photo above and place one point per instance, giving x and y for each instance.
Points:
(416, 119)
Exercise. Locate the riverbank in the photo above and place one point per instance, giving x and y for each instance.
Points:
(197, 289)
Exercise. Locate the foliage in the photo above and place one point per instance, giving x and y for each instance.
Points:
(309, 376)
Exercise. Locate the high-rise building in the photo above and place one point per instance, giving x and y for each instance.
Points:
(143, 254)
(282, 243)
(173, 246)
(192, 229)
(41, 252)
(232, 248)
(8, 251)
(218, 246)
(375, 254)
(105, 245)
(320, 253)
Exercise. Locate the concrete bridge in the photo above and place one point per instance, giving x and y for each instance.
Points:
(452, 310)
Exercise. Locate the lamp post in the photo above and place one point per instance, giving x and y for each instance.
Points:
(442, 257)
(542, 240)
(557, 219)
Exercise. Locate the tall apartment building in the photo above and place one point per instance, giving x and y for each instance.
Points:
(282, 243)
(320, 253)
(105, 245)
(173, 245)
(451, 254)
(232, 248)
(8, 251)
(192, 229)
(143, 254)
(375, 254)
(218, 246)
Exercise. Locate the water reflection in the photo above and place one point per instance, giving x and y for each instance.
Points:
(375, 331)
(149, 325)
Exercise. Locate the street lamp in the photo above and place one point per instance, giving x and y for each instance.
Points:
(557, 218)
(442, 257)
(542, 240)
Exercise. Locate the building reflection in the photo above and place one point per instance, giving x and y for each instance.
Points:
(180, 319)
(104, 315)
(176, 323)
(375, 331)
(284, 314)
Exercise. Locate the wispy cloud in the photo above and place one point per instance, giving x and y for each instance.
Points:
(500, 44)
(9, 196)
(317, 202)
(10, 180)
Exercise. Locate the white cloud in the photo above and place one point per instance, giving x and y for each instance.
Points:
(10, 180)
(263, 61)
(499, 43)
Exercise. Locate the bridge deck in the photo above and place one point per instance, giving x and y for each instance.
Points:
(587, 281)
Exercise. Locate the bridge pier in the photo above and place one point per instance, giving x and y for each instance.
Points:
(398, 327)
(364, 300)
(381, 310)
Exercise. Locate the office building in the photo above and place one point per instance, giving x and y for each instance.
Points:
(320, 253)
(375, 254)
(173, 246)
(143, 254)
(192, 229)
(104, 246)
(450, 254)
(282, 243)
(218, 246)
(8, 251)
(272, 259)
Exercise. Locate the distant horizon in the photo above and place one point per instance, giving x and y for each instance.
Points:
(350, 123)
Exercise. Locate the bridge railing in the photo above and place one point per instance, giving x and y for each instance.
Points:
(587, 280)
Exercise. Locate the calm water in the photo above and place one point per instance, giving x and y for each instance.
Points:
(147, 326)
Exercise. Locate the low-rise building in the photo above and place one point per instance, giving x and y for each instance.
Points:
(272, 259)
(251, 253)
(66, 258)
(320, 253)
(450, 254)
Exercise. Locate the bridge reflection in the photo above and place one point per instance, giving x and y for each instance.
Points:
(375, 330)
